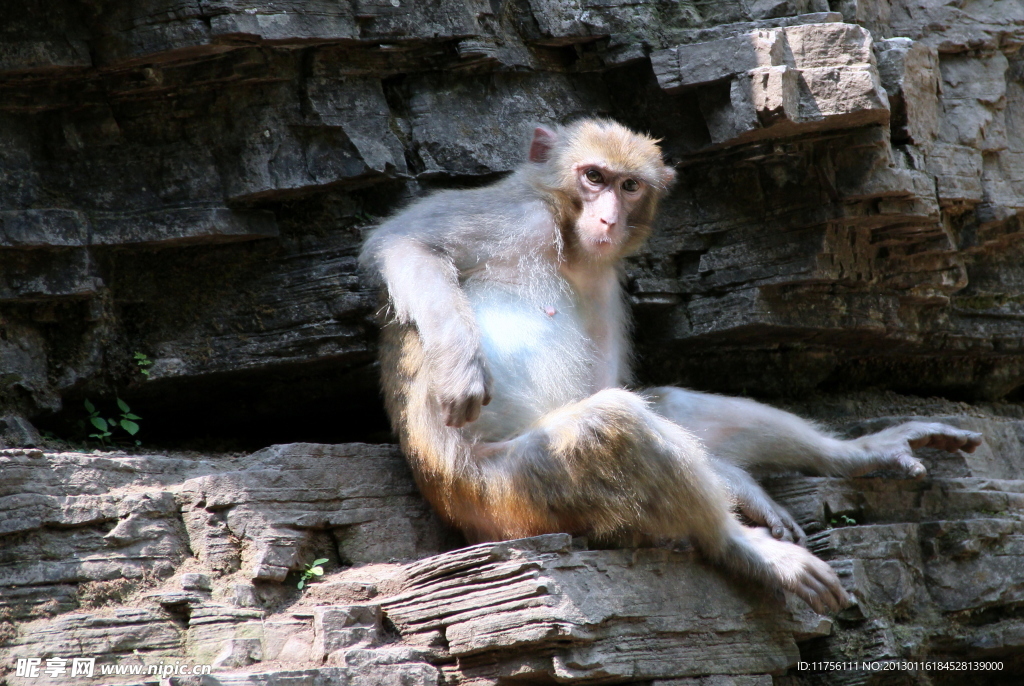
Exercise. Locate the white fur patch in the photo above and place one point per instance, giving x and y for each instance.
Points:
(539, 362)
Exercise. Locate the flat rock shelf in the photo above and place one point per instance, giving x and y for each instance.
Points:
(184, 189)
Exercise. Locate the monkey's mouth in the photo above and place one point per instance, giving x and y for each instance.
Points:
(601, 245)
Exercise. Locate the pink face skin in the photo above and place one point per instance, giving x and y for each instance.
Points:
(608, 197)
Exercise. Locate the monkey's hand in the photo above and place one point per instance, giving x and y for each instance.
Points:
(757, 506)
(462, 382)
(893, 448)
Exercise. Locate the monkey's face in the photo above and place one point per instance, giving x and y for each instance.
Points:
(607, 199)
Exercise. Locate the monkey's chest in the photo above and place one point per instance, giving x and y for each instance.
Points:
(539, 354)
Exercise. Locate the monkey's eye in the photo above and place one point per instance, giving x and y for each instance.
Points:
(594, 176)
(630, 186)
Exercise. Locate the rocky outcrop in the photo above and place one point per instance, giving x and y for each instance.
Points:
(183, 559)
(184, 187)
(192, 182)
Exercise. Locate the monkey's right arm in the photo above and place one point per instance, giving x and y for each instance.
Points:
(423, 286)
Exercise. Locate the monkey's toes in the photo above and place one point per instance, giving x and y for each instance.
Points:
(944, 437)
(819, 587)
(973, 441)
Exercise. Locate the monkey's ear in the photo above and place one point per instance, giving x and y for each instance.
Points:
(540, 147)
(668, 176)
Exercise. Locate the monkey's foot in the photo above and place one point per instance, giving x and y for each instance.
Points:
(893, 448)
(796, 570)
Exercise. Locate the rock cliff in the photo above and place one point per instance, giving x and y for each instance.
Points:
(186, 183)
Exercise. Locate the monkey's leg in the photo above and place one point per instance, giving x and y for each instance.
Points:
(609, 466)
(741, 433)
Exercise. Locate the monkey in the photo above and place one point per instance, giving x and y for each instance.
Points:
(505, 370)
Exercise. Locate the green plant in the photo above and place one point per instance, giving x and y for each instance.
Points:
(842, 520)
(127, 422)
(144, 362)
(312, 571)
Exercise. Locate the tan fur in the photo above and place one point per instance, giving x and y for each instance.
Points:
(465, 270)
(621, 150)
(599, 465)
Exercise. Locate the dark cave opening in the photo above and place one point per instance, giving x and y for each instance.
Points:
(239, 411)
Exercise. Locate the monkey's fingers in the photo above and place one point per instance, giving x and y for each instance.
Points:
(797, 570)
(837, 597)
(472, 410)
(796, 533)
(784, 527)
(460, 412)
(815, 594)
(775, 518)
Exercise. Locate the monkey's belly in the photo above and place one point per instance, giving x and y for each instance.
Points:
(539, 355)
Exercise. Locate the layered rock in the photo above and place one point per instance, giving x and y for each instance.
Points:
(193, 183)
(183, 559)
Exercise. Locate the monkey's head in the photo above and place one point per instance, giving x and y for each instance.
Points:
(603, 182)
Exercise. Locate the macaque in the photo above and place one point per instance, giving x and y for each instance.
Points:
(505, 365)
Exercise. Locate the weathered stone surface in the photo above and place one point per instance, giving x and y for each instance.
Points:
(61, 524)
(909, 72)
(114, 637)
(48, 276)
(916, 554)
(802, 75)
(368, 674)
(192, 181)
(225, 636)
(343, 627)
(266, 515)
(18, 432)
(289, 128)
(603, 614)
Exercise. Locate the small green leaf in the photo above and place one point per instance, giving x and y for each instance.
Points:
(145, 372)
(302, 582)
(131, 427)
(129, 415)
(89, 406)
(123, 405)
(317, 571)
(321, 561)
(99, 422)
